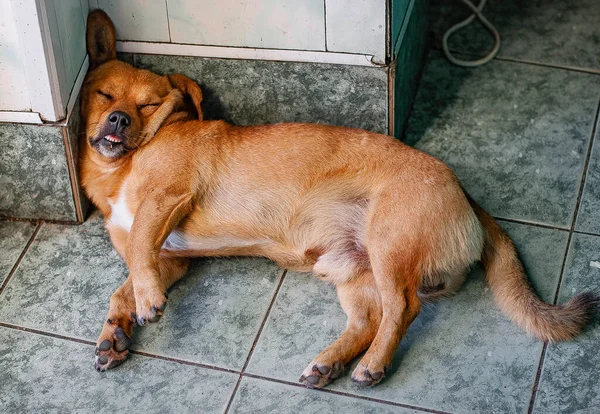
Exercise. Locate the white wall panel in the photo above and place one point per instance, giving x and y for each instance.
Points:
(277, 24)
(14, 94)
(357, 26)
(144, 20)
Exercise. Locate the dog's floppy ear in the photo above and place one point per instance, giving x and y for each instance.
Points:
(190, 91)
(101, 39)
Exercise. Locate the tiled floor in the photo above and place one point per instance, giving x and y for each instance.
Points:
(238, 332)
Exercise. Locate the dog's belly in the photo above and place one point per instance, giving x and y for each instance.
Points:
(180, 241)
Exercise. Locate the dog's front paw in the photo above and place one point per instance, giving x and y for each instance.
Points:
(113, 345)
(319, 375)
(150, 305)
(367, 375)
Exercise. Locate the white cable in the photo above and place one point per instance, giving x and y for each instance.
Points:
(466, 22)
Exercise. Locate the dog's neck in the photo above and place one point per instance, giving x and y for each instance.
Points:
(103, 175)
(180, 116)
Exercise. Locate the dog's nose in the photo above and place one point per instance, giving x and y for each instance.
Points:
(119, 120)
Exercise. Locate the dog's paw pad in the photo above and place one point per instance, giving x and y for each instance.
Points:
(110, 353)
(366, 377)
(318, 375)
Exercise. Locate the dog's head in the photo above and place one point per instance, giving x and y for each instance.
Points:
(122, 106)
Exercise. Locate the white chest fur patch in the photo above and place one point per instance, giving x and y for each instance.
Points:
(120, 216)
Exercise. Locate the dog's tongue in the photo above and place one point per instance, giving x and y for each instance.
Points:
(112, 138)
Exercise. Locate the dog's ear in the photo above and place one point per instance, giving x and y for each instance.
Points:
(101, 39)
(190, 91)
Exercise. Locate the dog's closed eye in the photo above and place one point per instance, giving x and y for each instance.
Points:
(148, 109)
(147, 105)
(105, 95)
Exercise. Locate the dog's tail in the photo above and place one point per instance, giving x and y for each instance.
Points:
(515, 296)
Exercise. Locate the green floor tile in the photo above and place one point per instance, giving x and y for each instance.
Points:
(516, 135)
(48, 375)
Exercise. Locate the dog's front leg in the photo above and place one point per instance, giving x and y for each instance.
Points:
(114, 341)
(168, 106)
(156, 217)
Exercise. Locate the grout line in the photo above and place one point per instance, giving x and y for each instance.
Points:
(32, 220)
(46, 333)
(564, 263)
(345, 394)
(325, 22)
(133, 352)
(168, 20)
(536, 382)
(262, 325)
(183, 361)
(530, 223)
(591, 71)
(586, 233)
(585, 168)
(20, 258)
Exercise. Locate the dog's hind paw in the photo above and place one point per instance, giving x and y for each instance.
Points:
(318, 375)
(111, 352)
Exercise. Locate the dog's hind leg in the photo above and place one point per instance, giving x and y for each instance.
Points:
(397, 285)
(395, 243)
(115, 339)
(360, 300)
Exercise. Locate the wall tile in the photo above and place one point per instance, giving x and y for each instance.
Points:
(357, 26)
(258, 92)
(14, 95)
(66, 25)
(249, 23)
(144, 20)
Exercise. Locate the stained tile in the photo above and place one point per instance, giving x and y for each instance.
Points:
(516, 135)
(555, 32)
(43, 374)
(213, 314)
(65, 280)
(257, 92)
(588, 217)
(258, 396)
(14, 235)
(569, 382)
(343, 19)
(264, 24)
(138, 19)
(460, 355)
(34, 177)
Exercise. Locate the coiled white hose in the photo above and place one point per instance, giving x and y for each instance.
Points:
(476, 14)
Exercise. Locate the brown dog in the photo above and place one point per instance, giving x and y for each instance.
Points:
(386, 224)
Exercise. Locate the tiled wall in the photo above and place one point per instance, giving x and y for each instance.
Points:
(66, 23)
(350, 26)
(14, 94)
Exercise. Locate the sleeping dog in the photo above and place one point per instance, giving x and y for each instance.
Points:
(388, 225)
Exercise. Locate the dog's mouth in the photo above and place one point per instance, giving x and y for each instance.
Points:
(113, 139)
(109, 145)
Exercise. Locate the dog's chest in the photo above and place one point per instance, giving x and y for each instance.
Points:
(122, 217)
